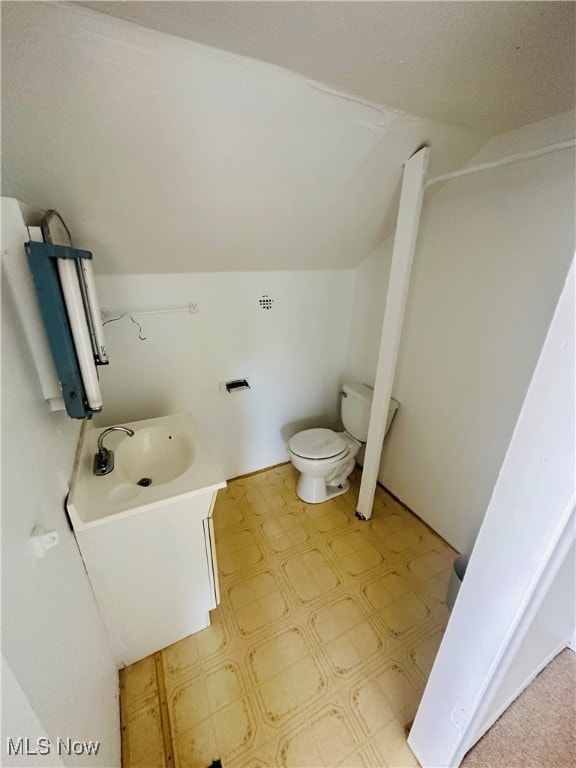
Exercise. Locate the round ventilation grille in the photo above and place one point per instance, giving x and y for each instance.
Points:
(266, 302)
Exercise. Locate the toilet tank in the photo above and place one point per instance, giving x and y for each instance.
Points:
(355, 409)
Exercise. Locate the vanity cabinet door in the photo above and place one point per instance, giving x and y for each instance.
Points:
(211, 562)
(154, 575)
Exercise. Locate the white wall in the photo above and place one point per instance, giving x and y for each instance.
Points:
(167, 156)
(492, 253)
(52, 634)
(516, 605)
(370, 289)
(19, 719)
(293, 354)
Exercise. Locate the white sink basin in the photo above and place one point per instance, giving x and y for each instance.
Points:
(158, 454)
(165, 459)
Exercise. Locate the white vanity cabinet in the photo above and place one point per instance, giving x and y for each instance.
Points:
(145, 532)
(153, 574)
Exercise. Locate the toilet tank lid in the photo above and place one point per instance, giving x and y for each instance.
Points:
(358, 390)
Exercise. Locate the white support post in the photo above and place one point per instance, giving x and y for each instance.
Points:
(413, 183)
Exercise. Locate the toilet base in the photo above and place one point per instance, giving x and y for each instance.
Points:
(313, 490)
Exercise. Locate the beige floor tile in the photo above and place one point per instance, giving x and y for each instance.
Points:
(368, 640)
(274, 607)
(292, 644)
(384, 589)
(265, 583)
(348, 612)
(155, 759)
(139, 683)
(249, 619)
(234, 727)
(402, 692)
(404, 540)
(406, 615)
(334, 735)
(310, 576)
(326, 579)
(371, 706)
(143, 734)
(188, 704)
(264, 661)
(326, 625)
(308, 680)
(182, 658)
(423, 652)
(362, 561)
(436, 587)
(359, 760)
(388, 525)
(319, 650)
(224, 685)
(343, 657)
(307, 590)
(428, 564)
(298, 750)
(250, 556)
(197, 747)
(215, 639)
(327, 519)
(284, 532)
(259, 756)
(240, 595)
(392, 745)
(264, 500)
(277, 699)
(229, 514)
(343, 545)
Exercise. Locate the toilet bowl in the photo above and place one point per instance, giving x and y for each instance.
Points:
(326, 458)
(322, 478)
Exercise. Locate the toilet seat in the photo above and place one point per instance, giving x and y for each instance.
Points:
(318, 444)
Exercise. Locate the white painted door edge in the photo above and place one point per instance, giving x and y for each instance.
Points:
(413, 185)
(525, 539)
(539, 590)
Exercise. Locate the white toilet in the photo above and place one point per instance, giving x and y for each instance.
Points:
(326, 458)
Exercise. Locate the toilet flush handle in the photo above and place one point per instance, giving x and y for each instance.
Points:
(344, 394)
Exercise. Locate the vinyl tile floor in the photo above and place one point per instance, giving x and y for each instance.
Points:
(319, 650)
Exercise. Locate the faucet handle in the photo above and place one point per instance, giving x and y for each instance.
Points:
(103, 462)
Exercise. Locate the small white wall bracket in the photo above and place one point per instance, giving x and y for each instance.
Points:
(42, 540)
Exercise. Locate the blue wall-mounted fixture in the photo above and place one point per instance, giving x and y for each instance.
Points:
(42, 258)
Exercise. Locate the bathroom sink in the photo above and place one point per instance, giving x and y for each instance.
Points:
(155, 455)
(166, 459)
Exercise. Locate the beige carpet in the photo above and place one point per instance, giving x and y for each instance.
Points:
(539, 729)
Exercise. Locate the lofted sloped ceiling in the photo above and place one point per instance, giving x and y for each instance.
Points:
(165, 154)
(486, 66)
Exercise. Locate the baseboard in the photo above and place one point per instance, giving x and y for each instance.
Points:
(257, 471)
(411, 511)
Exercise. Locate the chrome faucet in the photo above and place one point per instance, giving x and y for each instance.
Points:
(104, 459)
